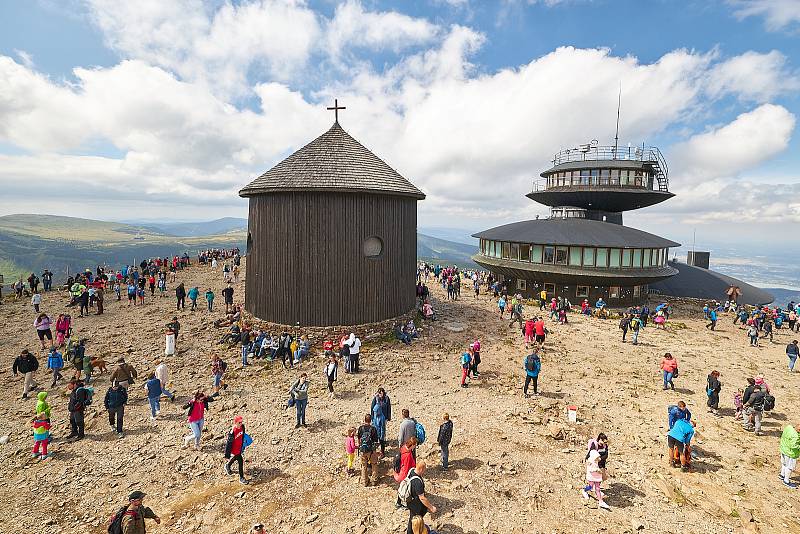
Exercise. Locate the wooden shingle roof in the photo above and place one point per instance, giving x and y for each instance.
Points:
(334, 161)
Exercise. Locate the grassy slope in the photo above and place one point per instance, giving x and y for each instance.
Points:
(35, 242)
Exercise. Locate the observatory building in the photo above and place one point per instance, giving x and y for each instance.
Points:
(583, 250)
(332, 236)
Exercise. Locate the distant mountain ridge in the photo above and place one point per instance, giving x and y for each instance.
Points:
(30, 242)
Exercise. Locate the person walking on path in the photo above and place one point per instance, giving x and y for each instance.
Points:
(712, 317)
(133, 515)
(55, 362)
(367, 444)
(476, 358)
(331, 372)
(792, 352)
(532, 365)
(36, 301)
(124, 374)
(154, 392)
(752, 332)
(26, 364)
(713, 387)
(218, 367)
(407, 460)
(162, 373)
(180, 295)
(669, 368)
(601, 446)
(444, 437)
(227, 294)
(195, 410)
(624, 324)
(466, 365)
(236, 443)
(636, 325)
(382, 400)
(299, 392)
(42, 325)
(78, 400)
(754, 409)
(594, 477)
(115, 401)
(408, 428)
(350, 448)
(193, 294)
(790, 452)
(417, 503)
(379, 422)
(41, 435)
(210, 299)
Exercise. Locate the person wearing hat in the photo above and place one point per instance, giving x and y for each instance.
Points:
(135, 514)
(235, 445)
(258, 528)
(124, 373)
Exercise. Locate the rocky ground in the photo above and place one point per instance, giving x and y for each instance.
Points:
(517, 464)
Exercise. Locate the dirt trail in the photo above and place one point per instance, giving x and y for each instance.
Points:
(516, 463)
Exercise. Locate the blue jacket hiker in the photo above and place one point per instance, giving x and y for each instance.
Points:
(154, 392)
(532, 365)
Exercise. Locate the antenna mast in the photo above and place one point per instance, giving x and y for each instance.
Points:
(616, 135)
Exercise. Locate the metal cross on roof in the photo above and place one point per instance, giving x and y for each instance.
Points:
(336, 107)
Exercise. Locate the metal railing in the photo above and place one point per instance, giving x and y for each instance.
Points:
(586, 182)
(593, 152)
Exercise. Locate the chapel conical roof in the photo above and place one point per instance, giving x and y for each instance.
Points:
(334, 161)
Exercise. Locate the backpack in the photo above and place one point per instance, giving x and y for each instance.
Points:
(365, 445)
(223, 366)
(89, 393)
(396, 464)
(530, 363)
(420, 430)
(404, 491)
(465, 360)
(635, 324)
(115, 521)
(769, 402)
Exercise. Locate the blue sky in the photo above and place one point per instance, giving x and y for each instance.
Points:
(129, 109)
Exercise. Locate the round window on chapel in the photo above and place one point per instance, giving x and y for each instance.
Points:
(373, 247)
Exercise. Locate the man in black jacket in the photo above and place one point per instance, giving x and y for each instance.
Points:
(77, 405)
(115, 401)
(27, 364)
(444, 438)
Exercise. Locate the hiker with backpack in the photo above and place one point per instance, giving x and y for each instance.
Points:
(713, 387)
(624, 324)
(195, 411)
(444, 437)
(237, 441)
(299, 392)
(754, 410)
(790, 452)
(41, 435)
(115, 401)
(124, 374)
(636, 326)
(408, 428)
(532, 366)
(367, 436)
(411, 495)
(154, 391)
(80, 397)
(384, 403)
(130, 518)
